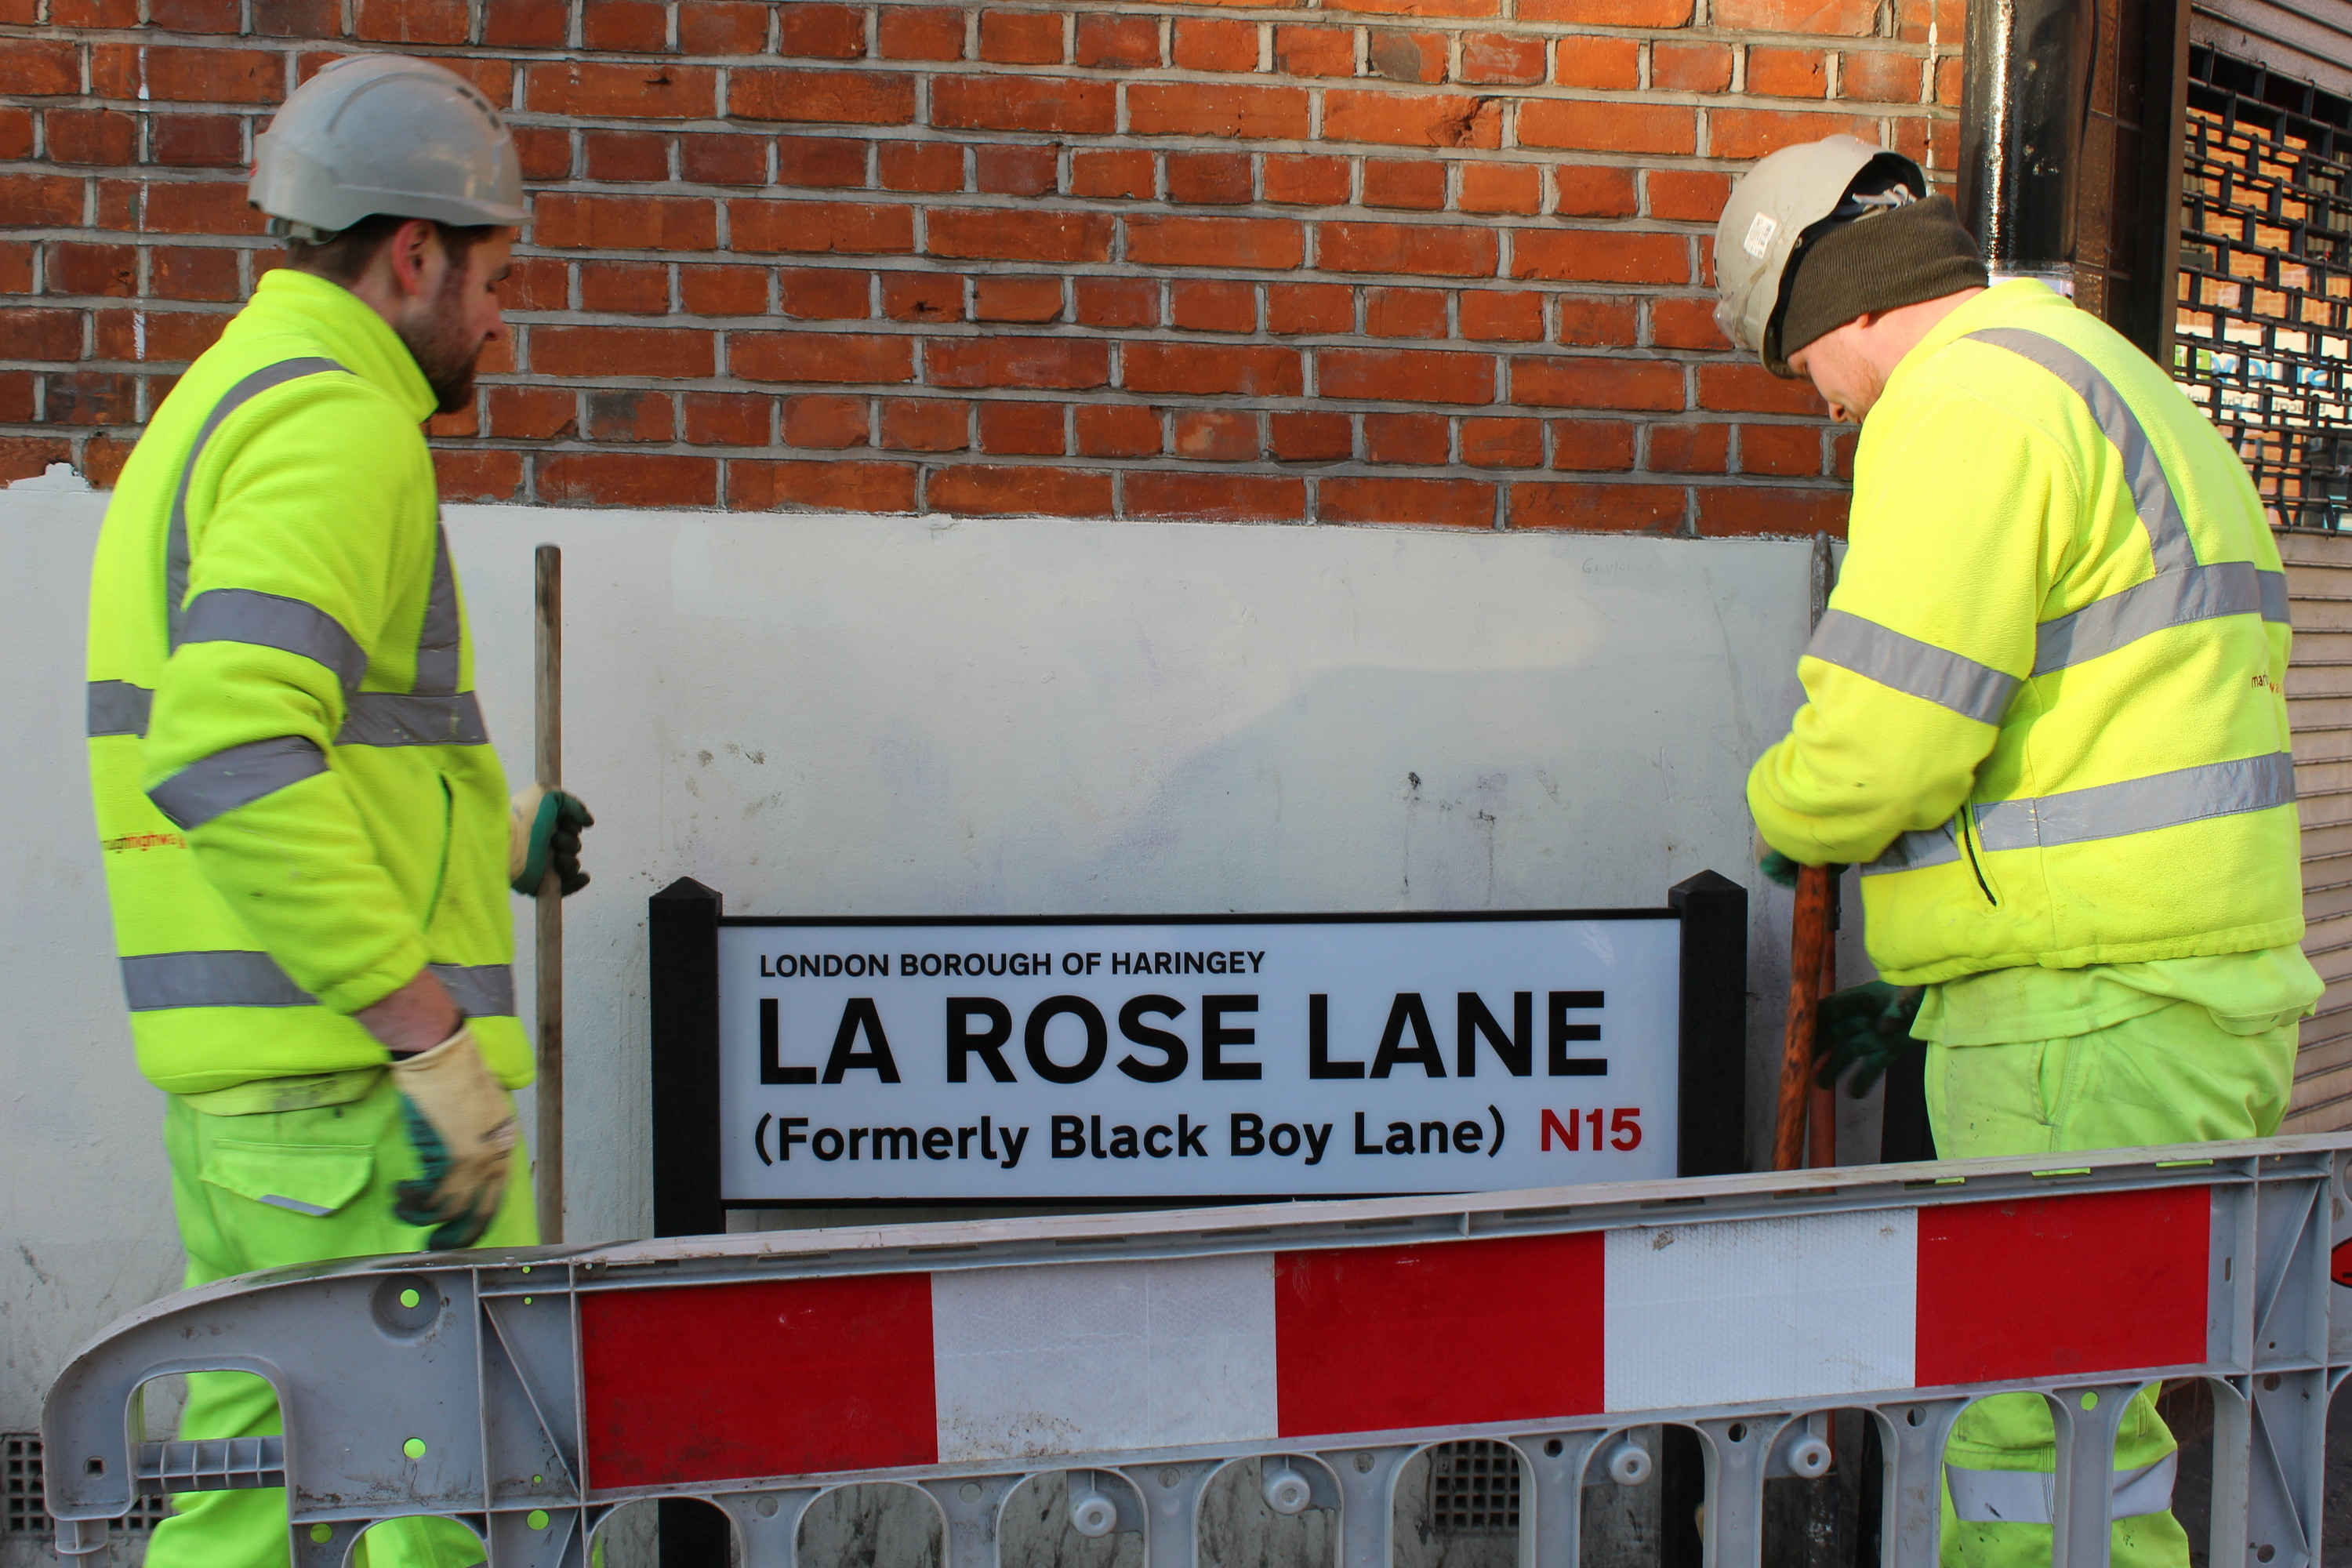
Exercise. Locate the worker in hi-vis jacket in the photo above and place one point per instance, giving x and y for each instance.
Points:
(307, 837)
(2045, 715)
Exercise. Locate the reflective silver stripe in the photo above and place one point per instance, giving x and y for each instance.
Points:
(153, 982)
(2147, 1489)
(2139, 805)
(2159, 513)
(119, 708)
(1920, 669)
(272, 620)
(2030, 1497)
(400, 719)
(481, 990)
(156, 980)
(278, 1201)
(175, 543)
(237, 777)
(2275, 606)
(1926, 847)
(2175, 598)
(370, 718)
(436, 641)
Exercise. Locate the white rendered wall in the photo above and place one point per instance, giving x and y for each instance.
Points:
(858, 715)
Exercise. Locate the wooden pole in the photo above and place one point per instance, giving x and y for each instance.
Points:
(1821, 1099)
(1805, 1132)
(549, 766)
(1808, 940)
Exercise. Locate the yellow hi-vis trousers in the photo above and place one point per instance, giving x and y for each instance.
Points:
(2173, 1076)
(263, 1190)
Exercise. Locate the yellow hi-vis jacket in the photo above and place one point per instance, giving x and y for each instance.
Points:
(2046, 707)
(298, 805)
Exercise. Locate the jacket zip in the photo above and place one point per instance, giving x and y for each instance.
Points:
(1968, 844)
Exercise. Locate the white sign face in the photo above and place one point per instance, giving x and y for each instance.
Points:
(997, 1061)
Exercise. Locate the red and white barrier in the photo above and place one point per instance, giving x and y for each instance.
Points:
(874, 1372)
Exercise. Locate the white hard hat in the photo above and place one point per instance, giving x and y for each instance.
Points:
(1780, 205)
(385, 133)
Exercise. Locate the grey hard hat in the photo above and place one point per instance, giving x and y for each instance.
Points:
(385, 133)
(1774, 209)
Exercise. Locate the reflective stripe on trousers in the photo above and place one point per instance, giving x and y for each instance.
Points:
(155, 981)
(2030, 1497)
(2105, 811)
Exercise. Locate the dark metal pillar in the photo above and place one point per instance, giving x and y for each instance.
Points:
(2021, 120)
(2070, 152)
(682, 942)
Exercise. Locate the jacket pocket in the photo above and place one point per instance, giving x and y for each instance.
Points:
(313, 1179)
(448, 833)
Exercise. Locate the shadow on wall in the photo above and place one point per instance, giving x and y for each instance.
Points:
(1356, 792)
(1574, 802)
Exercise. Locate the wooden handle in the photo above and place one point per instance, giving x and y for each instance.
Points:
(1821, 1099)
(547, 707)
(1806, 941)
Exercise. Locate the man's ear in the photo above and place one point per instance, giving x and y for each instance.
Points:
(411, 250)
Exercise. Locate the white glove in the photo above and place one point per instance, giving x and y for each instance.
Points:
(462, 1125)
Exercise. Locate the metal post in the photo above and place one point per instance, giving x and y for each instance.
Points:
(1713, 1129)
(548, 706)
(1905, 1134)
(2022, 117)
(682, 937)
(1713, 1074)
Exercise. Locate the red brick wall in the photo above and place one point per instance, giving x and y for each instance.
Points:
(1437, 262)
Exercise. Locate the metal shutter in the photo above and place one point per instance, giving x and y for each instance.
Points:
(2320, 702)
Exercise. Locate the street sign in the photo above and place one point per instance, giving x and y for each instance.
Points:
(1021, 1060)
(1144, 1060)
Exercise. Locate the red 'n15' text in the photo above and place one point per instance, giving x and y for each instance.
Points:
(1583, 1129)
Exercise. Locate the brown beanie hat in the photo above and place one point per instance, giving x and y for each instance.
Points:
(1887, 260)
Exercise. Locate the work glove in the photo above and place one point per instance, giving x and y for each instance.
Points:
(462, 1126)
(543, 830)
(1865, 1029)
(1777, 869)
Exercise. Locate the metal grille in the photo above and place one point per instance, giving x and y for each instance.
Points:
(20, 1484)
(1472, 1488)
(20, 1492)
(2264, 339)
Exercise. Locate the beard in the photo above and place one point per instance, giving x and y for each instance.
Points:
(439, 345)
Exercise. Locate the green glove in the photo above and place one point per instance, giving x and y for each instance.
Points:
(462, 1125)
(1866, 1029)
(1779, 869)
(543, 830)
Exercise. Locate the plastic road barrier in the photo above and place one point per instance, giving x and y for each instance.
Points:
(528, 1394)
